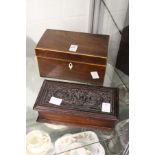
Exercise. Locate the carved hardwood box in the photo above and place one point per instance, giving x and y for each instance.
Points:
(77, 104)
(74, 56)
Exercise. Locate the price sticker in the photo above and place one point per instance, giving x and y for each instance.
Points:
(55, 100)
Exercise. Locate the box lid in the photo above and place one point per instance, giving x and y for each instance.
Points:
(85, 43)
(79, 99)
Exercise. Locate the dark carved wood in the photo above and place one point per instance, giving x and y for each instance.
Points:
(53, 53)
(81, 104)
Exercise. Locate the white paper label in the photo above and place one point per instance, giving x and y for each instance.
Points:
(106, 107)
(56, 101)
(73, 48)
(94, 75)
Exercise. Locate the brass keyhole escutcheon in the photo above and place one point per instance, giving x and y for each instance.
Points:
(70, 65)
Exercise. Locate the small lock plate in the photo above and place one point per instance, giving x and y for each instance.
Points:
(70, 65)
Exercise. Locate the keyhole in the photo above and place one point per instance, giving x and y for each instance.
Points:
(70, 65)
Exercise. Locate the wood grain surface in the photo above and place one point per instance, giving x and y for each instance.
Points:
(81, 104)
(88, 44)
(59, 69)
(53, 56)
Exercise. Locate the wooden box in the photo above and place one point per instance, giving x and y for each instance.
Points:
(72, 56)
(82, 105)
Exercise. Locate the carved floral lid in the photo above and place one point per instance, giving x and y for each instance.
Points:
(77, 98)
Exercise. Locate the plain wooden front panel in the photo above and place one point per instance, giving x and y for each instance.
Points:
(76, 120)
(59, 69)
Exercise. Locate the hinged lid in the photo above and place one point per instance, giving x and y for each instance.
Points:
(78, 98)
(78, 43)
